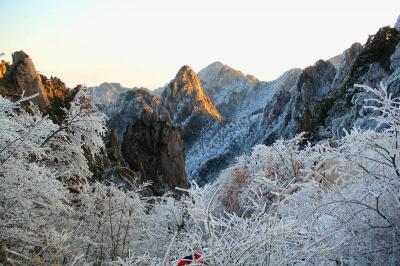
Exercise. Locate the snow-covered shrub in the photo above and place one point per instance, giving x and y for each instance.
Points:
(33, 201)
(107, 223)
(336, 202)
(36, 158)
(269, 174)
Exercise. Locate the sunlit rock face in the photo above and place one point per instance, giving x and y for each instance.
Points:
(185, 96)
(3, 68)
(22, 78)
(54, 88)
(153, 147)
(186, 104)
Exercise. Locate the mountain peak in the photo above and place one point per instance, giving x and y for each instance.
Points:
(397, 24)
(185, 68)
(186, 80)
(185, 96)
(215, 66)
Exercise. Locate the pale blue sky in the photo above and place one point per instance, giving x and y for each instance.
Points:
(144, 43)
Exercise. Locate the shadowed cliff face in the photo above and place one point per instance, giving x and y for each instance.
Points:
(153, 147)
(129, 106)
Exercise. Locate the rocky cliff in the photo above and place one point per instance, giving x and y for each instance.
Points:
(21, 78)
(237, 95)
(153, 147)
(146, 143)
(3, 68)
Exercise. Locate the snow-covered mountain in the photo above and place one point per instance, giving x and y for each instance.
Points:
(319, 99)
(224, 113)
(242, 105)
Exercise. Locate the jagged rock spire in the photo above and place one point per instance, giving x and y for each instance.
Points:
(185, 95)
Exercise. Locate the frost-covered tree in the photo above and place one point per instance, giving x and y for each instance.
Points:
(336, 202)
(332, 203)
(37, 157)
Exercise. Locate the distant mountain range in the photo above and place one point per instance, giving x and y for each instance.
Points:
(223, 113)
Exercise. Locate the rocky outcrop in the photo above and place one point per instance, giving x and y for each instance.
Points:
(143, 146)
(185, 96)
(313, 86)
(153, 147)
(185, 103)
(397, 24)
(3, 68)
(54, 88)
(130, 106)
(59, 97)
(22, 79)
(368, 65)
(114, 147)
